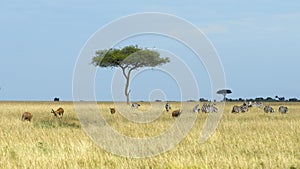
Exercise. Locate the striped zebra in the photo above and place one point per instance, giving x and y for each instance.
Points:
(268, 109)
(238, 109)
(196, 109)
(283, 109)
(209, 108)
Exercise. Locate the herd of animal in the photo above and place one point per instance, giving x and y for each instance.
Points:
(211, 108)
(267, 109)
(27, 116)
(206, 108)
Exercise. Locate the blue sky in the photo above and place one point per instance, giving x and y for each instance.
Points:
(257, 42)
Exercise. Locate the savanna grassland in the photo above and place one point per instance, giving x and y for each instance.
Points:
(246, 140)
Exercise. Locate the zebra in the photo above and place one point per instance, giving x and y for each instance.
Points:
(209, 108)
(235, 109)
(257, 104)
(269, 109)
(238, 109)
(283, 109)
(244, 109)
(167, 107)
(196, 109)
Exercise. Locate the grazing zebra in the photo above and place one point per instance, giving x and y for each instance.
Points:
(283, 109)
(27, 116)
(168, 107)
(196, 109)
(269, 109)
(257, 104)
(209, 108)
(135, 105)
(176, 113)
(112, 110)
(244, 109)
(58, 113)
(237, 109)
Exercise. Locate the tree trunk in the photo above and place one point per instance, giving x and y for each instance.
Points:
(127, 77)
(126, 90)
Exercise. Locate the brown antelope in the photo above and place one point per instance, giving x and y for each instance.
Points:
(112, 110)
(27, 116)
(176, 113)
(59, 112)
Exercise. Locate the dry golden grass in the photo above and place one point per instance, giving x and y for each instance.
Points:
(250, 140)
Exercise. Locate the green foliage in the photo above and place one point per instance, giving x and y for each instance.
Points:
(131, 57)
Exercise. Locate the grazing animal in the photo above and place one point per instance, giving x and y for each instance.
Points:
(167, 107)
(176, 113)
(59, 112)
(135, 105)
(244, 109)
(248, 104)
(268, 109)
(257, 104)
(196, 109)
(283, 109)
(235, 109)
(56, 99)
(209, 108)
(27, 116)
(238, 109)
(112, 110)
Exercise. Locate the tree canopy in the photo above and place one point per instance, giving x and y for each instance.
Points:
(224, 92)
(128, 59)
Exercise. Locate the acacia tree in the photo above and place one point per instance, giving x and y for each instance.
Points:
(224, 92)
(128, 59)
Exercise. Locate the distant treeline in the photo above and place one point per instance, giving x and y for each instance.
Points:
(259, 99)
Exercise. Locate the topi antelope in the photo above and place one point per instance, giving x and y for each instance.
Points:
(27, 116)
(176, 113)
(59, 112)
(112, 110)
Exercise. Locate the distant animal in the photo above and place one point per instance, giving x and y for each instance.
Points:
(235, 109)
(176, 113)
(196, 109)
(268, 109)
(238, 109)
(112, 110)
(209, 108)
(56, 99)
(257, 104)
(27, 116)
(283, 109)
(135, 105)
(248, 104)
(58, 113)
(244, 109)
(167, 107)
